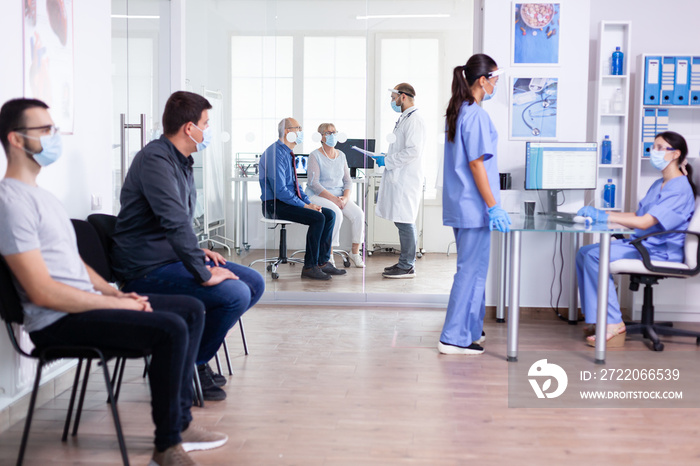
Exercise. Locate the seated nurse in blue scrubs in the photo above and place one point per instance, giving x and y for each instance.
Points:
(668, 205)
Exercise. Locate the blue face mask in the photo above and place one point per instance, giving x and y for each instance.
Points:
(331, 140)
(206, 139)
(396, 107)
(658, 161)
(488, 96)
(51, 149)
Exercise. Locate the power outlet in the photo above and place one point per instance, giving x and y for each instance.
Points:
(95, 201)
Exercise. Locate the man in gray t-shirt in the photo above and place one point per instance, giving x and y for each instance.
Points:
(66, 303)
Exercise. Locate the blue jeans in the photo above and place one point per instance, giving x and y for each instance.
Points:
(407, 239)
(319, 234)
(171, 332)
(225, 303)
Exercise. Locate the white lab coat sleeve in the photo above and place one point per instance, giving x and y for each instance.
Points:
(414, 133)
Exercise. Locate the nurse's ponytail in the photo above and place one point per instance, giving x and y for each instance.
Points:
(677, 142)
(463, 77)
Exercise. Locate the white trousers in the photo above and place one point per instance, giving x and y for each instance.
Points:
(351, 211)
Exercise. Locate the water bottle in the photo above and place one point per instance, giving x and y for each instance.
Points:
(617, 59)
(606, 151)
(609, 195)
(618, 102)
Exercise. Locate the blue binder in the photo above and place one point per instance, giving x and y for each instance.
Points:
(695, 82)
(681, 85)
(661, 120)
(668, 78)
(648, 130)
(652, 80)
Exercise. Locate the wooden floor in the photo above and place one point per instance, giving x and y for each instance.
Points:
(367, 387)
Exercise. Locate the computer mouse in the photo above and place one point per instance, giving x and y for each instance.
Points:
(580, 219)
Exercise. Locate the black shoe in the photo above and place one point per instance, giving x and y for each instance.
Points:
(400, 273)
(210, 390)
(391, 267)
(219, 380)
(331, 270)
(314, 273)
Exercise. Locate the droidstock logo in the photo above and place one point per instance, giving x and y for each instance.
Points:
(547, 371)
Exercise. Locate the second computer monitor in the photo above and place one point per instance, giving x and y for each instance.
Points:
(561, 165)
(355, 158)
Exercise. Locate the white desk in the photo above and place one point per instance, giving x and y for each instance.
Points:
(542, 223)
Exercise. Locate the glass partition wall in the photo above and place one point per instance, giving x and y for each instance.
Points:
(329, 62)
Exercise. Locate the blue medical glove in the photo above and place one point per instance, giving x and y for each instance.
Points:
(379, 159)
(499, 219)
(598, 216)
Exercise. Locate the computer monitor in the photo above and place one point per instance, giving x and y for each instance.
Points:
(355, 158)
(555, 166)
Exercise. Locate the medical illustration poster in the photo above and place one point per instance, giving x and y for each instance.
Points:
(533, 108)
(536, 33)
(48, 57)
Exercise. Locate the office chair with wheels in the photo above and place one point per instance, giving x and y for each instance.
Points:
(11, 313)
(282, 258)
(648, 272)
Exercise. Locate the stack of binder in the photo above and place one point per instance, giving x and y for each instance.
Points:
(672, 80)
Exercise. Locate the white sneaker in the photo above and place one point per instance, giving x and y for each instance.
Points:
(472, 349)
(356, 259)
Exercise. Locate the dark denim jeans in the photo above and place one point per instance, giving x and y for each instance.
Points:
(172, 332)
(319, 234)
(225, 303)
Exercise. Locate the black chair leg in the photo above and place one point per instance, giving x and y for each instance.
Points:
(79, 411)
(121, 364)
(228, 358)
(245, 342)
(71, 404)
(115, 413)
(198, 392)
(146, 365)
(30, 412)
(218, 362)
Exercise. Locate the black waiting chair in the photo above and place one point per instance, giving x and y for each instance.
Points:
(12, 314)
(105, 224)
(648, 272)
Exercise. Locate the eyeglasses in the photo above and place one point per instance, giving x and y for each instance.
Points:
(330, 133)
(294, 127)
(49, 129)
(662, 148)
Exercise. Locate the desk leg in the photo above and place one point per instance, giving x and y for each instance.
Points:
(237, 216)
(602, 318)
(244, 215)
(514, 308)
(573, 289)
(502, 279)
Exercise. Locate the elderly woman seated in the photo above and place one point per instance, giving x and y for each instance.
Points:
(329, 185)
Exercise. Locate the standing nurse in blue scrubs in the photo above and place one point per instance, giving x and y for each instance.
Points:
(668, 205)
(470, 201)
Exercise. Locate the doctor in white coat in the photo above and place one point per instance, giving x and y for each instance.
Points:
(402, 181)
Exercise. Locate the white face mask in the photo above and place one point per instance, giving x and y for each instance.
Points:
(206, 139)
(657, 159)
(51, 148)
(487, 96)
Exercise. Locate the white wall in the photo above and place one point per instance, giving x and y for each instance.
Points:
(572, 72)
(668, 28)
(85, 166)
